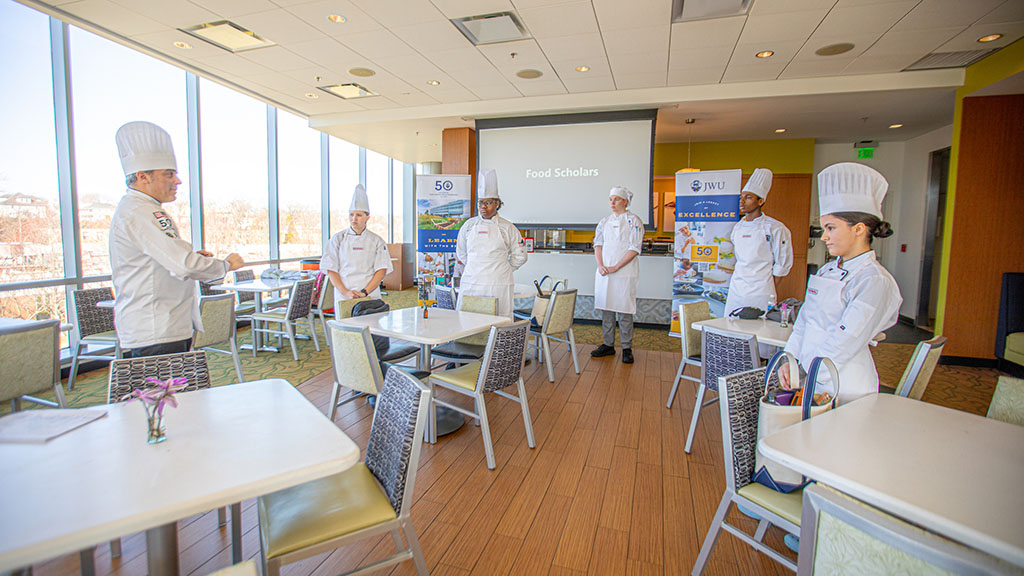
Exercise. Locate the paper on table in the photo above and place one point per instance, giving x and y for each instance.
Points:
(40, 426)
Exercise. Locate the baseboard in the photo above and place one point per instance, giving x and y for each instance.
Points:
(968, 361)
(906, 321)
(1015, 370)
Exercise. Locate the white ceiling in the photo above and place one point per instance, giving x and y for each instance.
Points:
(637, 57)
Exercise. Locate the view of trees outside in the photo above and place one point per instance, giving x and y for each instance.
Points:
(377, 173)
(298, 187)
(344, 175)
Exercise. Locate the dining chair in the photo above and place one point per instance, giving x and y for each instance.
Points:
(471, 347)
(739, 395)
(218, 316)
(547, 285)
(354, 364)
(723, 353)
(690, 340)
(299, 312)
(919, 370)
(30, 363)
(206, 288)
(95, 326)
(323, 302)
(556, 325)
(500, 367)
(370, 499)
(1008, 401)
(246, 300)
(844, 536)
(445, 297)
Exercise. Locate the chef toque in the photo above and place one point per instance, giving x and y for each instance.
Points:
(359, 200)
(851, 187)
(144, 146)
(760, 183)
(621, 192)
(487, 185)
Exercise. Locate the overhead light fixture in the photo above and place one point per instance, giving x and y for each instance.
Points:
(896, 126)
(491, 28)
(990, 38)
(312, 96)
(764, 54)
(433, 82)
(583, 68)
(834, 49)
(689, 143)
(361, 72)
(780, 130)
(337, 18)
(228, 35)
(529, 73)
(183, 45)
(348, 91)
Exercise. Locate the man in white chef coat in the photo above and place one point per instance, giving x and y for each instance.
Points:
(356, 259)
(152, 268)
(617, 243)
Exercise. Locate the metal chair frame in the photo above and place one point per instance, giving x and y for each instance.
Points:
(206, 301)
(376, 377)
(919, 369)
(543, 335)
(302, 288)
(85, 311)
(711, 369)
(685, 327)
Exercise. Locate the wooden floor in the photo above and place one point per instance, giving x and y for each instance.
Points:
(607, 490)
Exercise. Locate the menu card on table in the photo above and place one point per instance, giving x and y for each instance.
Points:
(40, 426)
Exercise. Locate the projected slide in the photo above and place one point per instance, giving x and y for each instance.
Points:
(560, 174)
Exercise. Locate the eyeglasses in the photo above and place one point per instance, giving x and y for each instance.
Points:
(488, 202)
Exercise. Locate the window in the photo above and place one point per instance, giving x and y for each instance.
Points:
(344, 175)
(377, 173)
(397, 200)
(298, 187)
(106, 84)
(233, 129)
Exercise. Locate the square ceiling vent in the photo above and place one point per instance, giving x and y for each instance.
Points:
(228, 35)
(491, 28)
(348, 91)
(686, 10)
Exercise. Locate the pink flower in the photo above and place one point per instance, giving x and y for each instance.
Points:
(161, 394)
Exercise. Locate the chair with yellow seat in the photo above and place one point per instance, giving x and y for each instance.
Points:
(218, 315)
(919, 370)
(690, 339)
(299, 312)
(95, 326)
(556, 324)
(371, 498)
(500, 367)
(471, 347)
(738, 399)
(1008, 401)
(354, 363)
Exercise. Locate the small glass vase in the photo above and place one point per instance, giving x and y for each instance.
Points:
(154, 426)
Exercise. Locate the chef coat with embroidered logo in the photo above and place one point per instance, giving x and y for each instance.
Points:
(763, 248)
(617, 234)
(356, 258)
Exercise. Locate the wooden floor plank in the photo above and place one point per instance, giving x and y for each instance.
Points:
(646, 529)
(617, 506)
(542, 537)
(577, 540)
(610, 550)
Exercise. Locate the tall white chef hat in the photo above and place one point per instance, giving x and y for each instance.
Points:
(760, 183)
(144, 146)
(851, 187)
(621, 192)
(359, 200)
(487, 185)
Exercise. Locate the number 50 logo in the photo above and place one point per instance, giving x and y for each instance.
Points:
(443, 185)
(704, 253)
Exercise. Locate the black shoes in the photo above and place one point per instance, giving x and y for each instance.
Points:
(602, 350)
(627, 355)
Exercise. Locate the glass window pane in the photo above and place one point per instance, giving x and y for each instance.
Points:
(344, 169)
(397, 200)
(298, 186)
(377, 189)
(30, 239)
(233, 132)
(105, 96)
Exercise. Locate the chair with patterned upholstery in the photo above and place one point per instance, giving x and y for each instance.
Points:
(218, 314)
(842, 535)
(472, 347)
(30, 363)
(354, 363)
(299, 312)
(690, 339)
(723, 353)
(95, 326)
(246, 304)
(370, 499)
(919, 370)
(206, 288)
(556, 325)
(1008, 401)
(739, 395)
(501, 367)
(445, 297)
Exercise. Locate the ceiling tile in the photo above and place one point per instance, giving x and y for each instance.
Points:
(637, 41)
(276, 58)
(911, 41)
(566, 69)
(413, 99)
(560, 20)
(881, 63)
(594, 84)
(172, 14)
(860, 44)
(695, 76)
(707, 33)
(385, 83)
(945, 13)
(694, 59)
(484, 76)
(164, 42)
(459, 59)
(525, 4)
(234, 64)
(377, 44)
(377, 103)
(316, 13)
(968, 39)
(433, 36)
(496, 92)
(744, 55)
(462, 8)
(619, 15)
(450, 95)
(581, 46)
(813, 68)
(741, 73)
(634, 81)
(415, 70)
(638, 63)
(527, 55)
(863, 20)
(278, 25)
(1008, 11)
(393, 13)
(327, 52)
(232, 8)
(540, 87)
(780, 6)
(791, 26)
(327, 76)
(114, 17)
(282, 83)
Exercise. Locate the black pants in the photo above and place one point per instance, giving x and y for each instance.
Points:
(157, 349)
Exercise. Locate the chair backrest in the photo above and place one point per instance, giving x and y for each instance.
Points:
(479, 305)
(502, 363)
(129, 374)
(300, 302)
(325, 300)
(738, 396)
(91, 318)
(841, 535)
(689, 336)
(445, 297)
(206, 288)
(393, 452)
(724, 353)
(245, 276)
(560, 312)
(1008, 401)
(919, 370)
(218, 313)
(354, 359)
(344, 307)
(29, 358)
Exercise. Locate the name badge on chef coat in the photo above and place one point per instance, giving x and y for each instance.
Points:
(165, 223)
(483, 231)
(357, 247)
(746, 236)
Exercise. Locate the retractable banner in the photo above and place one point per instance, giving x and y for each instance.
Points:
(707, 208)
(442, 207)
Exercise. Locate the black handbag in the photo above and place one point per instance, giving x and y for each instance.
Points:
(747, 313)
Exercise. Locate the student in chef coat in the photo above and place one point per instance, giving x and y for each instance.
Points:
(153, 270)
(852, 298)
(356, 259)
(490, 248)
(617, 243)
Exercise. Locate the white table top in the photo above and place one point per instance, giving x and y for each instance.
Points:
(257, 285)
(767, 332)
(103, 480)
(441, 326)
(952, 472)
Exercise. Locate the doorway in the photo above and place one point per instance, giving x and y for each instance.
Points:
(935, 212)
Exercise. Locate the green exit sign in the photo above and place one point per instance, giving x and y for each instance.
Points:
(865, 153)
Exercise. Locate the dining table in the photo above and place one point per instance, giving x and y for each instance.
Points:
(258, 288)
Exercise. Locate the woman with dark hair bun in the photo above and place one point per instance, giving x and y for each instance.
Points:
(852, 298)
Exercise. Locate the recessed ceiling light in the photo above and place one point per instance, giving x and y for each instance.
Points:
(348, 91)
(765, 54)
(227, 35)
(433, 82)
(361, 72)
(312, 96)
(529, 73)
(990, 38)
(336, 18)
(780, 130)
(896, 126)
(833, 49)
(582, 68)
(183, 45)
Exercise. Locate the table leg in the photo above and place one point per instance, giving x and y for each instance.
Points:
(441, 421)
(162, 550)
(236, 533)
(257, 337)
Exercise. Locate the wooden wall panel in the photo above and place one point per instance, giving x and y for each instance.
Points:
(988, 226)
(790, 203)
(458, 156)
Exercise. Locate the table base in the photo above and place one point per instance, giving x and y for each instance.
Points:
(162, 550)
(448, 420)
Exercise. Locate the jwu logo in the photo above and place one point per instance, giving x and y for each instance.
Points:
(698, 186)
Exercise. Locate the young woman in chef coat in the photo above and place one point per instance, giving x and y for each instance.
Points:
(356, 259)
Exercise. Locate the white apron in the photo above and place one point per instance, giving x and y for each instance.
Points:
(752, 283)
(617, 292)
(823, 307)
(488, 272)
(357, 256)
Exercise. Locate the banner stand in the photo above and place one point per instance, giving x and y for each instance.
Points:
(442, 207)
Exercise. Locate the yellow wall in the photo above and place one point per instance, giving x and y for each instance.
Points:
(792, 156)
(1002, 64)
